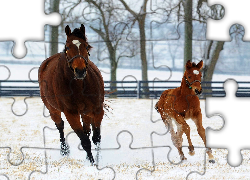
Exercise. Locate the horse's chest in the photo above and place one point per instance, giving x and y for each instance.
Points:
(75, 97)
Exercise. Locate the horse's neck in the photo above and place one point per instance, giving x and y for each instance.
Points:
(185, 89)
(68, 73)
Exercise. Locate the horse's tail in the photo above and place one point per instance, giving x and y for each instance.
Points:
(110, 92)
(156, 106)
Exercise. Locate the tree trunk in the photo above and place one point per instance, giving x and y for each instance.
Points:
(209, 69)
(144, 65)
(54, 29)
(113, 69)
(188, 5)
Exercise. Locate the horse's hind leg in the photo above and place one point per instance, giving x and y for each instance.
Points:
(186, 129)
(201, 132)
(177, 139)
(74, 121)
(56, 117)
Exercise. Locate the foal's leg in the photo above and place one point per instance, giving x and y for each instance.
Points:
(74, 121)
(201, 132)
(186, 130)
(177, 138)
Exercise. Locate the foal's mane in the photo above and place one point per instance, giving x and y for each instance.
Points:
(78, 33)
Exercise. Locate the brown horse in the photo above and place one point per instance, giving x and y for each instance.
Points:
(70, 83)
(181, 104)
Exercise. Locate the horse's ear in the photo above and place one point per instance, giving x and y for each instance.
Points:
(89, 47)
(188, 64)
(82, 28)
(67, 30)
(200, 64)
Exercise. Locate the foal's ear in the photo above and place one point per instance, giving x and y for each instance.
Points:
(82, 28)
(188, 64)
(200, 64)
(67, 30)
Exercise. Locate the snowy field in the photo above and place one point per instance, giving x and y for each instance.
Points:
(128, 134)
(135, 142)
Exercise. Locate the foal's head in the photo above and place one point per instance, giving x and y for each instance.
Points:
(193, 76)
(77, 51)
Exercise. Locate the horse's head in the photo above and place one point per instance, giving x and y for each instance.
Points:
(193, 76)
(77, 51)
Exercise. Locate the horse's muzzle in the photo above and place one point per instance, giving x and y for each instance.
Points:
(80, 73)
(198, 92)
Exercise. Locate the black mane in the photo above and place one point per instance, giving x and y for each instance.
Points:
(78, 33)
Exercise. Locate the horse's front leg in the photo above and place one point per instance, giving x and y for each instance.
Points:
(86, 120)
(186, 129)
(56, 117)
(96, 127)
(64, 147)
(74, 121)
(202, 133)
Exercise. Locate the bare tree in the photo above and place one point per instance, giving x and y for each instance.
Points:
(212, 49)
(104, 18)
(140, 17)
(54, 4)
(188, 6)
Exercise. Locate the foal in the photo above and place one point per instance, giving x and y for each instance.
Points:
(181, 104)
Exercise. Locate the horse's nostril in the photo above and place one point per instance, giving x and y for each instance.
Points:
(198, 92)
(80, 73)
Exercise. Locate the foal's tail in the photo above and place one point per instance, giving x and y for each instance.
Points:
(156, 106)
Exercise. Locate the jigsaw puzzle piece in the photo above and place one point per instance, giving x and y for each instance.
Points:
(5, 73)
(136, 120)
(236, 124)
(30, 13)
(234, 12)
(33, 160)
(164, 169)
(222, 170)
(73, 166)
(15, 131)
(125, 159)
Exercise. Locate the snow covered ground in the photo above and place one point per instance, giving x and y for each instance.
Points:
(128, 134)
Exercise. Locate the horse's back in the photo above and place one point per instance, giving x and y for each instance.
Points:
(165, 105)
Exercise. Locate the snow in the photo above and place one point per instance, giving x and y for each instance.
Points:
(134, 117)
(135, 121)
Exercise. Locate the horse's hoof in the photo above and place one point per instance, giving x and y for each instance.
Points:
(191, 153)
(65, 152)
(183, 158)
(64, 149)
(211, 161)
(96, 139)
(91, 159)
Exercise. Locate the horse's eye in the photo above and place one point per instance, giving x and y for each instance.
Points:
(67, 48)
(189, 77)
